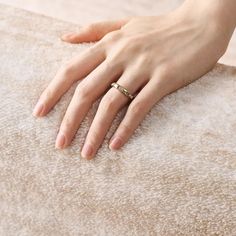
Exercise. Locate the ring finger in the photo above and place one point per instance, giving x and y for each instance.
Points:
(109, 106)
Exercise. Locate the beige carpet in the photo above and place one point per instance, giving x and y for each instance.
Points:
(176, 176)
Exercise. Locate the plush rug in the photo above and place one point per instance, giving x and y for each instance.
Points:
(175, 176)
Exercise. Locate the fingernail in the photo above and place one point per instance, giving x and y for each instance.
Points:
(87, 151)
(115, 143)
(60, 140)
(67, 36)
(38, 109)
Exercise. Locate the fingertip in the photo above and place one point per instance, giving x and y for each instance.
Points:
(60, 141)
(69, 37)
(84, 36)
(66, 37)
(38, 109)
(115, 143)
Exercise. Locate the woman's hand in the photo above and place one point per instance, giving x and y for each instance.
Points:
(150, 56)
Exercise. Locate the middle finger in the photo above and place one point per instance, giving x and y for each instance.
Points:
(85, 94)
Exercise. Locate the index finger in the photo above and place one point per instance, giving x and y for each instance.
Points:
(76, 69)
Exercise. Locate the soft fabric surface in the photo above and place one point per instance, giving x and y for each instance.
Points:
(176, 176)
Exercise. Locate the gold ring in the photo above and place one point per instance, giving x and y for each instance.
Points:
(122, 90)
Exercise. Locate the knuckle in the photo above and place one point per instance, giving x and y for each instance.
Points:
(125, 129)
(94, 136)
(93, 49)
(112, 36)
(126, 46)
(97, 49)
(133, 42)
(137, 107)
(114, 59)
(162, 76)
(108, 103)
(165, 78)
(82, 91)
(113, 62)
(67, 68)
(109, 65)
(144, 61)
(66, 124)
(166, 70)
(126, 43)
(117, 55)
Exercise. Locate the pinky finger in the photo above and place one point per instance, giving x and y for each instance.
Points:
(136, 113)
(95, 31)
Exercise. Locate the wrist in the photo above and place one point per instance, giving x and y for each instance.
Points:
(217, 12)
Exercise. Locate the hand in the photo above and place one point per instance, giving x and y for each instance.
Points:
(150, 55)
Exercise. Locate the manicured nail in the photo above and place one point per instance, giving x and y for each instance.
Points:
(38, 109)
(60, 140)
(115, 143)
(87, 151)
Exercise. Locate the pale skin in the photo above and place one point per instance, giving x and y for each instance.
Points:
(151, 56)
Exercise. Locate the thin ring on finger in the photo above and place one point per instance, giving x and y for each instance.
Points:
(123, 90)
(109, 106)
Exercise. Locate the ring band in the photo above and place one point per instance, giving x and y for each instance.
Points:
(122, 90)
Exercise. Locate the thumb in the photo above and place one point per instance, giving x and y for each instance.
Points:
(95, 31)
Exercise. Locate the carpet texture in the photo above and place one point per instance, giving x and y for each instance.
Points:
(175, 176)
